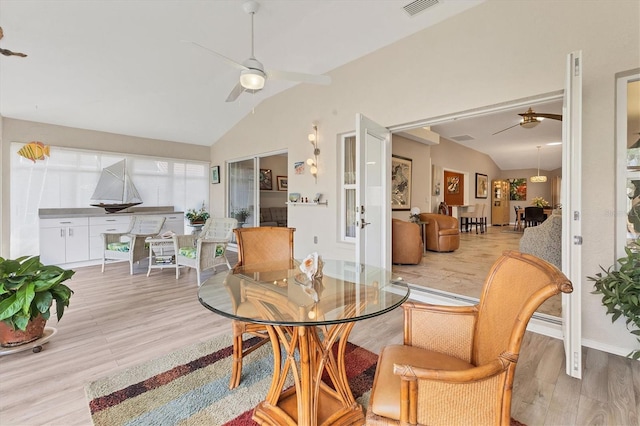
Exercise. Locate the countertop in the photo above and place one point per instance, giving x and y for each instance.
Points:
(56, 213)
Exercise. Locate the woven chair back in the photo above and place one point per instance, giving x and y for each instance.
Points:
(516, 286)
(264, 244)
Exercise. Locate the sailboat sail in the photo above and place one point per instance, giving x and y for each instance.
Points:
(115, 190)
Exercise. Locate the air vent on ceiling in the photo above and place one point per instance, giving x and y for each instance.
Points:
(418, 6)
(462, 138)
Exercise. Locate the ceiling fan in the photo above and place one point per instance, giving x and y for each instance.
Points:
(7, 52)
(531, 119)
(253, 74)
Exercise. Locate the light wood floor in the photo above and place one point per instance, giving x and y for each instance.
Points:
(116, 320)
(463, 271)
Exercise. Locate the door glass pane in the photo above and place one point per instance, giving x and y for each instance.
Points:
(350, 213)
(350, 160)
(242, 187)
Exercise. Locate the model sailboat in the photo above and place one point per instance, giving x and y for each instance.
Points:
(115, 190)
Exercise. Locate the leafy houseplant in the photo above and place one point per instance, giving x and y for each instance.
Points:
(621, 290)
(241, 214)
(28, 289)
(197, 216)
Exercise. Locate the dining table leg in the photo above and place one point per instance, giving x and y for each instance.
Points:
(312, 355)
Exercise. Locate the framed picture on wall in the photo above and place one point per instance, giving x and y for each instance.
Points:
(266, 180)
(283, 183)
(482, 186)
(518, 189)
(400, 183)
(215, 174)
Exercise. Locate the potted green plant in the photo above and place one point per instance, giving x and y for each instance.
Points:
(197, 217)
(27, 291)
(621, 290)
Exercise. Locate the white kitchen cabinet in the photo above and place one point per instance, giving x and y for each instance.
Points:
(174, 222)
(64, 240)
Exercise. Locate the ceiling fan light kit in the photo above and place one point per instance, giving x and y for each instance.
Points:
(252, 79)
(531, 119)
(530, 122)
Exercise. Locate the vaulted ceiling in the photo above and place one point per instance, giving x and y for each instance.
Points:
(124, 67)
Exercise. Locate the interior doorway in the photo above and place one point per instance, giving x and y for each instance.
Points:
(471, 129)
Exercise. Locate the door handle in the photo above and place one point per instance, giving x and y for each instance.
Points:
(363, 224)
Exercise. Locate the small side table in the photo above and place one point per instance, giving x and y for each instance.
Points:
(161, 254)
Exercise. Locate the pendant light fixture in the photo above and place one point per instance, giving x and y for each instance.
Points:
(538, 178)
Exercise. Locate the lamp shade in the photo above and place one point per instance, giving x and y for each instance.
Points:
(415, 211)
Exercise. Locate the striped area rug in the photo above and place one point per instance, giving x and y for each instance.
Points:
(190, 387)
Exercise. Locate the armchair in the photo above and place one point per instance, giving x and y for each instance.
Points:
(208, 249)
(442, 232)
(130, 245)
(406, 242)
(457, 363)
(255, 246)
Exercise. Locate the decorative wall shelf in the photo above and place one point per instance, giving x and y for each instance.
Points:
(297, 203)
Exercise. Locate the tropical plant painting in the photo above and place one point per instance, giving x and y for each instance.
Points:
(518, 189)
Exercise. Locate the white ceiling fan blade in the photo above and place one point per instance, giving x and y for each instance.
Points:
(298, 76)
(235, 92)
(229, 61)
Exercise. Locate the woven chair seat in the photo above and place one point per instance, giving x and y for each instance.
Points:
(189, 252)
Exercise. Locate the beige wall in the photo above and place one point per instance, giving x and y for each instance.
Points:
(471, 60)
(533, 189)
(454, 157)
(26, 131)
(419, 154)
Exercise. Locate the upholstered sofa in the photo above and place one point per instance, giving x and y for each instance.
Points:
(273, 216)
(442, 232)
(406, 242)
(545, 240)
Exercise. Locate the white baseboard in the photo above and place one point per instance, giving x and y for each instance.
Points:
(616, 350)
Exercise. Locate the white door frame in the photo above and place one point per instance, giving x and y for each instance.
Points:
(571, 198)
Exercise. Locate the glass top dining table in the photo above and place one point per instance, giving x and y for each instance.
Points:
(310, 321)
(346, 292)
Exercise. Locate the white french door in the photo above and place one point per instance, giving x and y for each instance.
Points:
(572, 211)
(373, 193)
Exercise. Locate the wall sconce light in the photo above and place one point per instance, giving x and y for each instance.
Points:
(313, 162)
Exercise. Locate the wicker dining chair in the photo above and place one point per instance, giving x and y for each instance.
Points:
(457, 363)
(256, 246)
